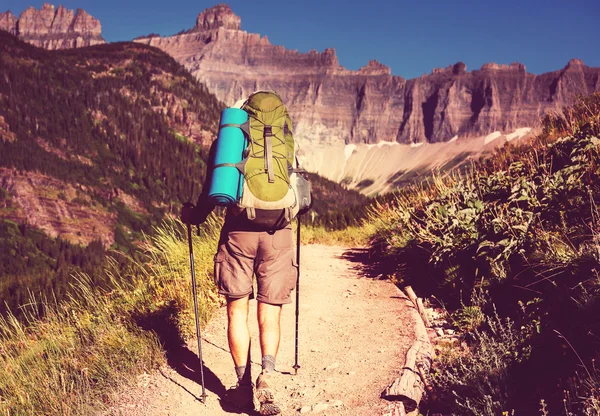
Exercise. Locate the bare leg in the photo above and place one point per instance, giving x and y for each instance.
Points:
(238, 334)
(239, 344)
(269, 328)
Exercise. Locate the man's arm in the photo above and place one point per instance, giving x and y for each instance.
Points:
(197, 214)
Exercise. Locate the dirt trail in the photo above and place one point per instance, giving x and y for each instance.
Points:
(354, 333)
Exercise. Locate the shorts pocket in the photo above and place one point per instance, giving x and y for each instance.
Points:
(282, 239)
(219, 259)
(293, 274)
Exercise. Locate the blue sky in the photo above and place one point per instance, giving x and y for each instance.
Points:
(412, 37)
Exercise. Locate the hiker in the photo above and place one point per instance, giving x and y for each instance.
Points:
(247, 247)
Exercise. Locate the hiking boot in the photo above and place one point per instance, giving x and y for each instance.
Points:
(265, 397)
(241, 396)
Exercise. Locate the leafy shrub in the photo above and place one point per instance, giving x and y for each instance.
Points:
(478, 380)
(522, 226)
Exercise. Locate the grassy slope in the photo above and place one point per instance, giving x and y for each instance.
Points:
(511, 249)
(70, 360)
(103, 120)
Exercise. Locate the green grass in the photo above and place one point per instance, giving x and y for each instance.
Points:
(69, 358)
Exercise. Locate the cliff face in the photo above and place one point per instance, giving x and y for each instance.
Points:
(52, 28)
(330, 104)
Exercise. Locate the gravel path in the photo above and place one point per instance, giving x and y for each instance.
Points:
(354, 333)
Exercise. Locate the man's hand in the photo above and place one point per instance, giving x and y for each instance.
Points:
(187, 212)
(193, 215)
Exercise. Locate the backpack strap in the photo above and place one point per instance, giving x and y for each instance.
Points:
(288, 214)
(267, 134)
(239, 166)
(284, 218)
(245, 127)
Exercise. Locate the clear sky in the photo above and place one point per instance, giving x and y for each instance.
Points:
(412, 37)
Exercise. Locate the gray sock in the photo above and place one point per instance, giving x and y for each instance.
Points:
(243, 374)
(268, 363)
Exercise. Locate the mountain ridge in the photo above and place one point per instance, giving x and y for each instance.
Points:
(330, 104)
(54, 28)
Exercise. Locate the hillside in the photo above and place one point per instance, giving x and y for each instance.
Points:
(509, 253)
(98, 141)
(96, 146)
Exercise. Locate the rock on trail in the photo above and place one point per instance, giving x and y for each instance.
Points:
(354, 333)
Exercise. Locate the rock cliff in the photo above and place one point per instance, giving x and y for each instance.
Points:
(330, 104)
(52, 28)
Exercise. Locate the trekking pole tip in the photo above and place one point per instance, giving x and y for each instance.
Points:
(296, 367)
(203, 398)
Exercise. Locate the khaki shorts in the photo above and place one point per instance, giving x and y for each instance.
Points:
(271, 257)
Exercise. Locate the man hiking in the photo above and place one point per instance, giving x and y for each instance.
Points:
(248, 247)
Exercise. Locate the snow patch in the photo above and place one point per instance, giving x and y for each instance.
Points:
(491, 137)
(384, 143)
(348, 150)
(518, 133)
(417, 144)
(455, 138)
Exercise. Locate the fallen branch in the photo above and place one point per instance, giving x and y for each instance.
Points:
(422, 312)
(418, 302)
(410, 386)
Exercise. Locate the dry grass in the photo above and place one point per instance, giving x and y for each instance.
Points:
(68, 358)
(354, 236)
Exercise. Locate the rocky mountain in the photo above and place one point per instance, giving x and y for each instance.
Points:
(52, 28)
(333, 105)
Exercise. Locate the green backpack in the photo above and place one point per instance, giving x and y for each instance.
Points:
(275, 189)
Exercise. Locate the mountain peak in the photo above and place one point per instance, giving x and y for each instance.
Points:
(8, 22)
(218, 16)
(575, 63)
(492, 66)
(53, 28)
(374, 67)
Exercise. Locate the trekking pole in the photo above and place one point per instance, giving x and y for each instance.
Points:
(195, 294)
(296, 366)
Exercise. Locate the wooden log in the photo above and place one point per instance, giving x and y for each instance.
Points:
(395, 409)
(410, 386)
(418, 302)
(411, 295)
(423, 313)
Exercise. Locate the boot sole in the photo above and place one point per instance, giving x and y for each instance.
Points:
(268, 407)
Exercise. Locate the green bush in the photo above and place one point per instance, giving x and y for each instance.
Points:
(478, 381)
(522, 226)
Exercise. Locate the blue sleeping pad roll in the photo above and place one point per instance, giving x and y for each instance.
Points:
(226, 184)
